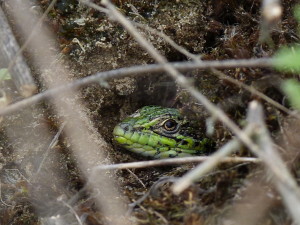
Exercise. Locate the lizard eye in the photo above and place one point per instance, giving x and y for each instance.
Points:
(170, 125)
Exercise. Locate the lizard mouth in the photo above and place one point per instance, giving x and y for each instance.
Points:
(151, 144)
(159, 132)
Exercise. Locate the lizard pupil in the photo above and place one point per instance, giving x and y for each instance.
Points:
(170, 125)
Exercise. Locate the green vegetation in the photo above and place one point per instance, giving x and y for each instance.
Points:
(4, 74)
(287, 59)
(292, 90)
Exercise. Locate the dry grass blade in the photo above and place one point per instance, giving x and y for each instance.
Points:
(175, 161)
(212, 161)
(51, 145)
(169, 41)
(72, 210)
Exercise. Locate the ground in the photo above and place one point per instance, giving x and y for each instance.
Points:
(89, 42)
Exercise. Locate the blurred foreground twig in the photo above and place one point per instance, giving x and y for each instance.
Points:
(287, 185)
(9, 49)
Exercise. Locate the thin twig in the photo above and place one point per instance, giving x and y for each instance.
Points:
(221, 75)
(169, 41)
(181, 80)
(174, 161)
(51, 145)
(34, 30)
(287, 187)
(134, 70)
(252, 90)
(160, 216)
(136, 177)
(1, 199)
(20, 73)
(164, 180)
(71, 209)
(209, 164)
(153, 188)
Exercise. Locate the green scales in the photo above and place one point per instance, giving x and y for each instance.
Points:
(158, 132)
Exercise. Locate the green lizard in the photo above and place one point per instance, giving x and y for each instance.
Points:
(158, 132)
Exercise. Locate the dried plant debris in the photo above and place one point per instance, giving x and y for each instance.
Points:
(90, 42)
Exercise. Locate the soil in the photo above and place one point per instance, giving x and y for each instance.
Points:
(89, 43)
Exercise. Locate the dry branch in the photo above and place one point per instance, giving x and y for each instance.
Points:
(9, 48)
(221, 75)
(255, 92)
(135, 70)
(286, 184)
(271, 11)
(175, 161)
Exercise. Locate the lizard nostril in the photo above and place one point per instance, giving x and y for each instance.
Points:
(158, 132)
